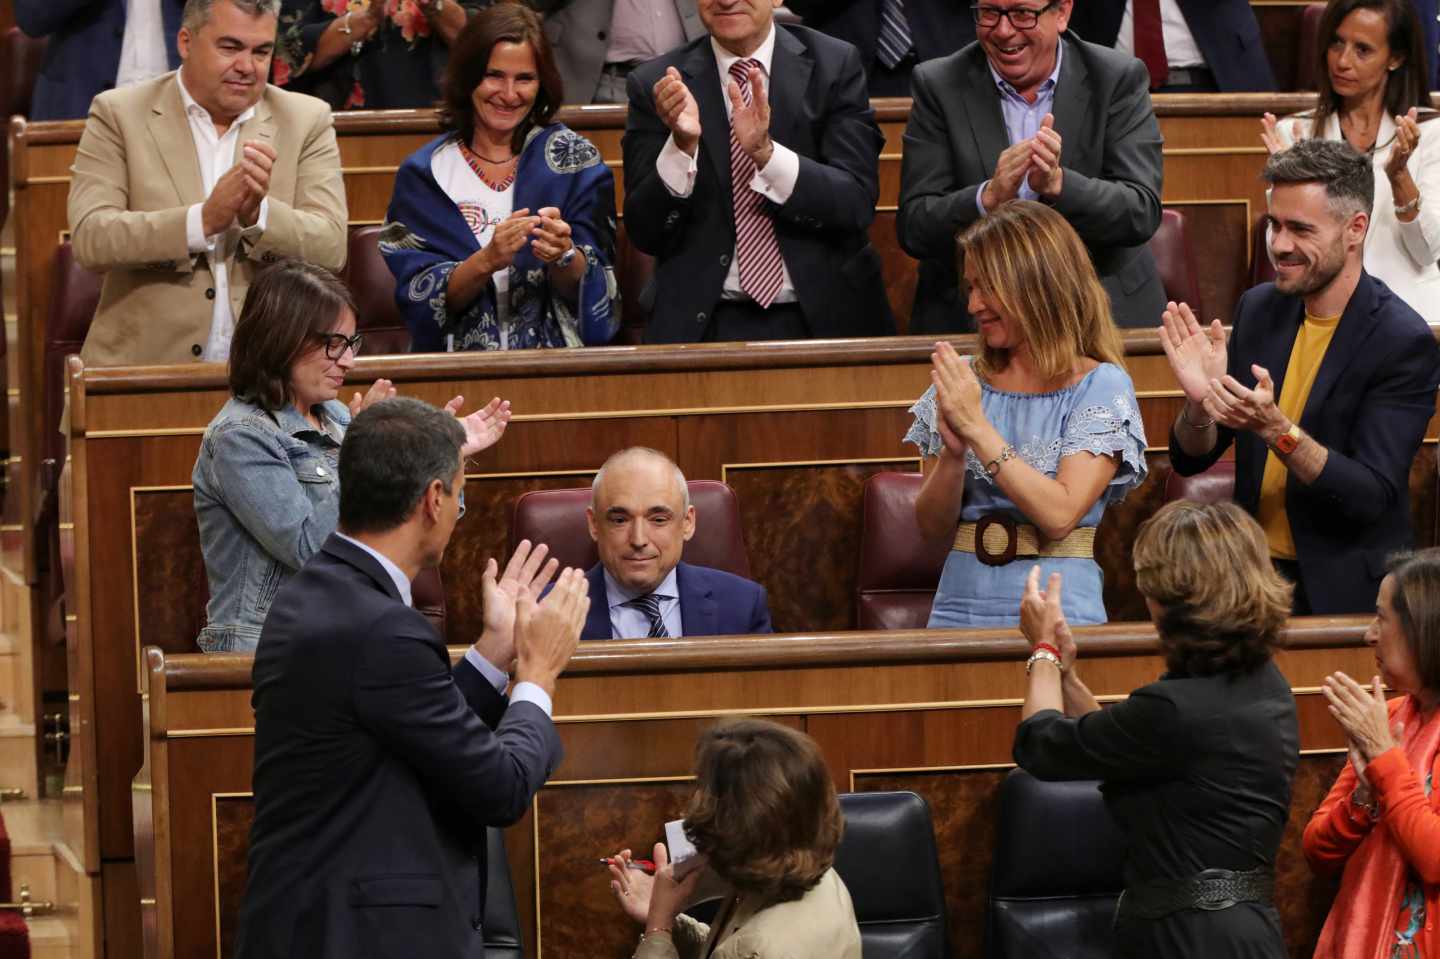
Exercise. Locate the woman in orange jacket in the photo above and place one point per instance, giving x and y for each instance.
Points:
(1381, 822)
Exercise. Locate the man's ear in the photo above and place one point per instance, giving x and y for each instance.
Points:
(430, 502)
(590, 522)
(1358, 226)
(689, 522)
(182, 42)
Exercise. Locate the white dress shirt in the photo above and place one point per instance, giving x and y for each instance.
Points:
(776, 182)
(643, 29)
(627, 622)
(216, 154)
(142, 49)
(494, 675)
(484, 209)
(1181, 50)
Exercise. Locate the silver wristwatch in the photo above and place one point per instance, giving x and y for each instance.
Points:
(563, 260)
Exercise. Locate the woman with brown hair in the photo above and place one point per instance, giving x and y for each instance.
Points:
(267, 481)
(1380, 824)
(1033, 438)
(767, 822)
(1373, 95)
(1196, 767)
(501, 231)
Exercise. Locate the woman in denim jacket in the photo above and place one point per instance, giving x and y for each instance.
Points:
(267, 486)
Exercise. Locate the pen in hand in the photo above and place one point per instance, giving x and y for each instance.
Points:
(643, 865)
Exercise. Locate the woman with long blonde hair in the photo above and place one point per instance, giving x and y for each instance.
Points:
(1034, 436)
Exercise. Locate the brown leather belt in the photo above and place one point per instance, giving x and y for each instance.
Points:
(997, 540)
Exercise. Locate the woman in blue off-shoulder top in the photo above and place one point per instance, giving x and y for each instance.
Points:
(1030, 440)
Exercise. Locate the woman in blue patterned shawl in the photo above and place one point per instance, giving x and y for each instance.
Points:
(501, 232)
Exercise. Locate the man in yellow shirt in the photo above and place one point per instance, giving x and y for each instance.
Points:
(1325, 387)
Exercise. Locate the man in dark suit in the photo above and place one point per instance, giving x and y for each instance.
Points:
(640, 517)
(378, 765)
(1429, 11)
(87, 39)
(758, 225)
(1032, 112)
(1206, 45)
(891, 35)
(1326, 387)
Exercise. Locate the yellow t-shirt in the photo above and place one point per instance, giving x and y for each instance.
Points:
(1310, 345)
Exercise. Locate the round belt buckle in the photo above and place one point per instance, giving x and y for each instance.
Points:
(984, 551)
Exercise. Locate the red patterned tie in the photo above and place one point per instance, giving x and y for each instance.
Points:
(1150, 40)
(762, 270)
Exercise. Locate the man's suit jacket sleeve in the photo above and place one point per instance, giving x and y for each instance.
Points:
(1120, 207)
(406, 696)
(105, 232)
(312, 229)
(934, 206)
(655, 219)
(760, 614)
(40, 18)
(838, 189)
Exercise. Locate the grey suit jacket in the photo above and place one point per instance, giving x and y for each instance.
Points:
(1110, 152)
(579, 33)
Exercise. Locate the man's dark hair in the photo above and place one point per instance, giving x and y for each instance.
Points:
(1348, 176)
(392, 452)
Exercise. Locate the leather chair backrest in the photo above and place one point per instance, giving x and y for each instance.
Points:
(1309, 61)
(1261, 269)
(889, 862)
(557, 519)
(1173, 254)
(1212, 486)
(634, 269)
(1056, 876)
(899, 568)
(427, 594)
(74, 295)
(373, 286)
(501, 929)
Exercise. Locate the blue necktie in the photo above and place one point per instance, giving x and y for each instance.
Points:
(895, 40)
(649, 604)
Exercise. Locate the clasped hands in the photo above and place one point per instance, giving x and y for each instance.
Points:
(957, 399)
(1365, 717)
(1035, 161)
(1198, 359)
(549, 237)
(1042, 620)
(237, 193)
(678, 110)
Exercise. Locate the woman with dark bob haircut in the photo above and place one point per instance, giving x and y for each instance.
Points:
(766, 821)
(501, 231)
(1197, 766)
(1380, 825)
(267, 491)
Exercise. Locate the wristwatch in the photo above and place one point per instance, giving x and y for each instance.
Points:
(1286, 442)
(563, 260)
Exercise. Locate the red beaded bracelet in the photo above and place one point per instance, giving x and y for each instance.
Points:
(1049, 648)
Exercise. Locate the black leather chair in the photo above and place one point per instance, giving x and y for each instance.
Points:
(501, 931)
(1056, 876)
(890, 865)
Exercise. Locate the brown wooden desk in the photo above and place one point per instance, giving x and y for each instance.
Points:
(933, 712)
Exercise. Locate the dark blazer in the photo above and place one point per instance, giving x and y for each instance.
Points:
(377, 769)
(1226, 32)
(1429, 10)
(938, 27)
(712, 603)
(83, 55)
(1370, 404)
(1111, 192)
(819, 108)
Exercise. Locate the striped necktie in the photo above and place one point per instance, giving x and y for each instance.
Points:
(649, 604)
(895, 41)
(762, 269)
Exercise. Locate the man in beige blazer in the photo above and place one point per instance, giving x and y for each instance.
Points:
(186, 185)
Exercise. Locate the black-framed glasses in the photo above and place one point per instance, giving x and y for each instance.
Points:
(337, 343)
(1021, 18)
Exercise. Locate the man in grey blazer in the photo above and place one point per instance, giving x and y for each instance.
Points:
(598, 42)
(1030, 112)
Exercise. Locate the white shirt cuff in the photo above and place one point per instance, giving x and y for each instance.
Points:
(531, 693)
(195, 229)
(677, 168)
(777, 181)
(254, 231)
(493, 674)
(980, 198)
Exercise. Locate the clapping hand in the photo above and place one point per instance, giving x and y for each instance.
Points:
(1273, 138)
(552, 238)
(1046, 175)
(1042, 620)
(1196, 353)
(1010, 170)
(752, 123)
(1241, 408)
(484, 427)
(381, 389)
(1363, 714)
(1407, 138)
(510, 236)
(957, 392)
(526, 574)
(677, 109)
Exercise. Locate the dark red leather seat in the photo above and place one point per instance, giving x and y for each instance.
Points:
(1176, 260)
(373, 286)
(633, 271)
(1261, 269)
(1309, 60)
(1212, 486)
(899, 568)
(557, 519)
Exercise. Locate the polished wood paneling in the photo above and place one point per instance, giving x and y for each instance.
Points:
(233, 816)
(167, 552)
(1302, 897)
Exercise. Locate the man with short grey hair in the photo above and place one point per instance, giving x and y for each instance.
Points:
(640, 517)
(186, 185)
(1325, 387)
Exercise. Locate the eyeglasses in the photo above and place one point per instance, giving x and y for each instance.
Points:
(337, 343)
(1021, 18)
